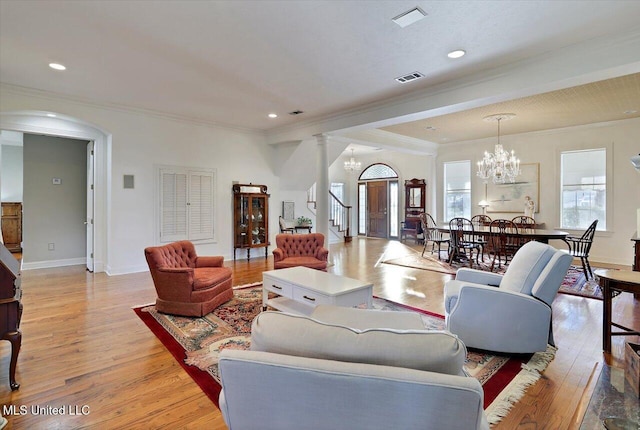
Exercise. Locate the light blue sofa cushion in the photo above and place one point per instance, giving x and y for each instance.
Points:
(282, 333)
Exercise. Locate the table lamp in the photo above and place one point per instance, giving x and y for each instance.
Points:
(483, 204)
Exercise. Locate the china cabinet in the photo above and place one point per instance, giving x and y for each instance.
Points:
(250, 218)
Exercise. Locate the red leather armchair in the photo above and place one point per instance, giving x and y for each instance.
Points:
(300, 250)
(186, 284)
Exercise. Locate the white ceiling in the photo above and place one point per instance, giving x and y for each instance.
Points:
(233, 62)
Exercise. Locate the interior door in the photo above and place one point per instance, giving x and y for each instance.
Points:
(90, 205)
(377, 206)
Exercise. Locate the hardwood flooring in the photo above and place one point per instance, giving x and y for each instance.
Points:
(83, 345)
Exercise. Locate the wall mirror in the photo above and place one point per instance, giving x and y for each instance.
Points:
(415, 193)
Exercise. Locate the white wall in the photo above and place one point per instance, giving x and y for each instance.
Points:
(622, 137)
(11, 171)
(141, 140)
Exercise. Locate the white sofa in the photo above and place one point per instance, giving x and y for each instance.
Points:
(302, 373)
(508, 313)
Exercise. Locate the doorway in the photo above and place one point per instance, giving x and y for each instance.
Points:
(56, 125)
(378, 197)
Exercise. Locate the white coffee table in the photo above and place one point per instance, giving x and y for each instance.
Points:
(301, 289)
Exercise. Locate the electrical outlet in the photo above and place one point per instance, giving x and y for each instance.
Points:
(52, 247)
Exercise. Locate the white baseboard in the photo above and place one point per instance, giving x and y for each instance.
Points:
(54, 263)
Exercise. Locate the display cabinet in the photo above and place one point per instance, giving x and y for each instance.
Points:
(250, 218)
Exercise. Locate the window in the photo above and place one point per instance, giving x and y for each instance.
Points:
(362, 208)
(393, 209)
(186, 204)
(584, 188)
(457, 189)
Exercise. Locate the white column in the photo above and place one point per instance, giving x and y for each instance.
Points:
(322, 188)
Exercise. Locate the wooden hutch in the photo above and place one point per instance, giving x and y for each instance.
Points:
(250, 218)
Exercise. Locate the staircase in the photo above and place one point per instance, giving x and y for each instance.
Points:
(339, 213)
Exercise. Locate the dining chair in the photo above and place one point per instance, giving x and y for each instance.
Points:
(504, 240)
(524, 221)
(432, 234)
(462, 239)
(481, 221)
(579, 247)
(525, 224)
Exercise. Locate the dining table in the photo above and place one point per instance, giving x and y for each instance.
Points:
(527, 234)
(537, 234)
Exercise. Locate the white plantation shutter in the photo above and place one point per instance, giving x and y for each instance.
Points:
(186, 204)
(201, 205)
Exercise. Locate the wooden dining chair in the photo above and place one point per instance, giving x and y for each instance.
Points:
(432, 234)
(525, 224)
(462, 240)
(504, 241)
(481, 221)
(579, 247)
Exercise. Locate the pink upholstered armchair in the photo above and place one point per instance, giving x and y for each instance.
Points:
(186, 284)
(300, 250)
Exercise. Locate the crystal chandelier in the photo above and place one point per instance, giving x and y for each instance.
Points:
(501, 166)
(352, 165)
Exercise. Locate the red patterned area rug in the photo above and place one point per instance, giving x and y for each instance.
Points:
(574, 282)
(196, 342)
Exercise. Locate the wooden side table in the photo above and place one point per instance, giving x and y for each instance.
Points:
(618, 280)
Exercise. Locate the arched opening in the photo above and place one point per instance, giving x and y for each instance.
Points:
(378, 197)
(99, 148)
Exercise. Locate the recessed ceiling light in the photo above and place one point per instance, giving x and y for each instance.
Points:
(57, 66)
(456, 54)
(273, 115)
(51, 115)
(409, 17)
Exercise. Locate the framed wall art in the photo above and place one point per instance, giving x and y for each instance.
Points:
(288, 210)
(511, 197)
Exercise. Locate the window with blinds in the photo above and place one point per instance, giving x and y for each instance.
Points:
(186, 204)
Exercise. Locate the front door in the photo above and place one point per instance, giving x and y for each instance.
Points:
(377, 205)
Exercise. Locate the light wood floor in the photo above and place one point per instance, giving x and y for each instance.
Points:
(83, 345)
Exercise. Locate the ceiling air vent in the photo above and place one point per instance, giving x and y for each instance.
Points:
(296, 112)
(410, 77)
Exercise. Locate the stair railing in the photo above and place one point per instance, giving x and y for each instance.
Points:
(340, 216)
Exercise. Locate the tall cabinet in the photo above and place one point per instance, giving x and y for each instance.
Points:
(12, 225)
(250, 218)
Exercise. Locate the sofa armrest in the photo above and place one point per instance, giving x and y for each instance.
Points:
(478, 277)
(171, 283)
(278, 254)
(322, 254)
(210, 261)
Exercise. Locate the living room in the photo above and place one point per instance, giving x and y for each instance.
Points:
(134, 139)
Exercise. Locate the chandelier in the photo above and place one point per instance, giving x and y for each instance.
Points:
(501, 166)
(352, 165)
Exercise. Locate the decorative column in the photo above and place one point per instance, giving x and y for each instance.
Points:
(322, 188)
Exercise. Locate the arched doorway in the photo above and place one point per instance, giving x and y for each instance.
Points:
(378, 198)
(58, 125)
